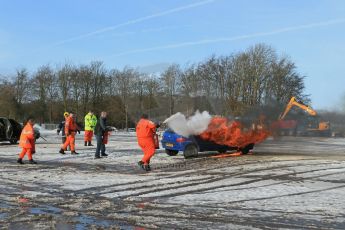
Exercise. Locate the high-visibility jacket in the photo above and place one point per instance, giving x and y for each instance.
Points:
(145, 128)
(70, 126)
(27, 137)
(90, 122)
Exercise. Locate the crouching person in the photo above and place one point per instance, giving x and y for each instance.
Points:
(101, 133)
(27, 141)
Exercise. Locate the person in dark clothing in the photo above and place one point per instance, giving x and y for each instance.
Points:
(61, 128)
(100, 132)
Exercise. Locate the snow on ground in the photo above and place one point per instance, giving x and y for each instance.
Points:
(293, 183)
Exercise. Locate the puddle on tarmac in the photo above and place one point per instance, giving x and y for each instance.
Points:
(3, 215)
(59, 221)
(85, 221)
(45, 210)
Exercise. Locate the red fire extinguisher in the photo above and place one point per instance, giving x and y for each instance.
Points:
(156, 140)
(106, 137)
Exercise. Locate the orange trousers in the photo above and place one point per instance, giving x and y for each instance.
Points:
(88, 135)
(70, 141)
(148, 147)
(27, 152)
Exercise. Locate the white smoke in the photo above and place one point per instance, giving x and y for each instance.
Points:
(194, 125)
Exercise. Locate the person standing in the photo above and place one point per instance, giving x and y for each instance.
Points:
(101, 133)
(90, 123)
(61, 128)
(145, 130)
(27, 141)
(71, 128)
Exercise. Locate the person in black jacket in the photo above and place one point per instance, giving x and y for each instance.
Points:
(61, 128)
(100, 132)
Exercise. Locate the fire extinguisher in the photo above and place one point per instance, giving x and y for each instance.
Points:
(106, 137)
(156, 140)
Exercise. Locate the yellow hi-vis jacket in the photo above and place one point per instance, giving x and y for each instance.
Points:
(90, 122)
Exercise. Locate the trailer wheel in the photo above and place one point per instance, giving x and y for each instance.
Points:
(191, 150)
(171, 152)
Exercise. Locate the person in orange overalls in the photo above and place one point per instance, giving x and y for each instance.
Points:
(27, 142)
(145, 130)
(71, 128)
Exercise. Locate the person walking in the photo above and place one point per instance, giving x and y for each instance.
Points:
(90, 123)
(145, 131)
(101, 133)
(61, 128)
(27, 141)
(71, 128)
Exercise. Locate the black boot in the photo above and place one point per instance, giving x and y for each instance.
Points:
(97, 157)
(104, 155)
(90, 143)
(62, 151)
(85, 143)
(147, 168)
(74, 153)
(32, 161)
(20, 161)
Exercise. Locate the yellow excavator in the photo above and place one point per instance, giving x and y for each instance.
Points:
(310, 126)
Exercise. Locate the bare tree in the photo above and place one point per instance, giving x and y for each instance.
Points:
(45, 84)
(64, 82)
(98, 73)
(125, 81)
(224, 85)
(7, 99)
(23, 91)
(151, 87)
(171, 82)
(191, 88)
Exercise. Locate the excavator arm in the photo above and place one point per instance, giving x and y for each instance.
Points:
(313, 127)
(293, 102)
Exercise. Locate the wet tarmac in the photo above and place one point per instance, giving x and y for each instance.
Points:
(291, 183)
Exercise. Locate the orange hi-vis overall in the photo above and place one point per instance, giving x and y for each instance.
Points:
(145, 130)
(70, 130)
(27, 141)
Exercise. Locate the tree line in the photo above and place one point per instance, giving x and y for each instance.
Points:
(222, 85)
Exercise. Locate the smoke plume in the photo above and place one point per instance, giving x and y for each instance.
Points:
(194, 125)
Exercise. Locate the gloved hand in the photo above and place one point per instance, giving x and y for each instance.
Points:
(58, 132)
(33, 151)
(78, 131)
(158, 124)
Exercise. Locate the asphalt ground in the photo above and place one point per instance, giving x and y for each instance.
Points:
(290, 183)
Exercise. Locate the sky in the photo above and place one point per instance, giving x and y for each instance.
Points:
(151, 34)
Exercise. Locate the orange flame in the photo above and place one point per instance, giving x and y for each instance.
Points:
(233, 134)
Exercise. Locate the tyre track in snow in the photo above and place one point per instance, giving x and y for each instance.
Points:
(210, 188)
(150, 198)
(139, 184)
